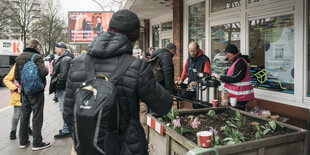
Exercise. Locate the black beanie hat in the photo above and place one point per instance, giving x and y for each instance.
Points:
(127, 23)
(231, 48)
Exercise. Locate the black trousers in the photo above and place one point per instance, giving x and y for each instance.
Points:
(32, 103)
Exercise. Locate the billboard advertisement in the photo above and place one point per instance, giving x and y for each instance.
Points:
(11, 47)
(85, 26)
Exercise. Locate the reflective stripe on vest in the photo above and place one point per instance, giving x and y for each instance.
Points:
(246, 92)
(243, 90)
(51, 67)
(242, 83)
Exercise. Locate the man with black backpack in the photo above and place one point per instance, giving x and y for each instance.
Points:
(30, 72)
(165, 56)
(103, 90)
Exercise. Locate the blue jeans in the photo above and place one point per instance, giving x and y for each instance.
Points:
(61, 98)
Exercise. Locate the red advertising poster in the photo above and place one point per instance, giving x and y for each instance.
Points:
(85, 26)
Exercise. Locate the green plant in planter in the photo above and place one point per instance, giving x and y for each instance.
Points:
(237, 121)
(258, 132)
(215, 138)
(270, 126)
(212, 114)
(195, 125)
(178, 127)
(173, 113)
(233, 136)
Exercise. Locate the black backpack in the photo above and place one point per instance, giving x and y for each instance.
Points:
(154, 64)
(96, 111)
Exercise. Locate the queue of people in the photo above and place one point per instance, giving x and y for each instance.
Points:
(70, 73)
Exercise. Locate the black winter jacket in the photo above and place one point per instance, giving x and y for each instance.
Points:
(22, 59)
(166, 64)
(137, 83)
(60, 72)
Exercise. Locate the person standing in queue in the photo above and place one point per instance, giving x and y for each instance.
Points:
(238, 78)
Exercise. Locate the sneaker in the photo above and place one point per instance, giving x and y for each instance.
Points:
(29, 131)
(13, 135)
(62, 135)
(42, 146)
(24, 146)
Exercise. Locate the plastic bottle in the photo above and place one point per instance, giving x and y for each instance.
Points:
(224, 98)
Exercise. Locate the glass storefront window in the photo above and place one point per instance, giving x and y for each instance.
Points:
(219, 5)
(196, 24)
(221, 36)
(155, 34)
(271, 48)
(164, 42)
(166, 26)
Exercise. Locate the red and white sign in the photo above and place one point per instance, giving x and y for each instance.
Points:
(11, 47)
(155, 125)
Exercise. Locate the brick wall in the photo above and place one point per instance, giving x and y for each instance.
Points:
(147, 34)
(178, 37)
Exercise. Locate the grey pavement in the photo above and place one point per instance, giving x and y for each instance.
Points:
(51, 125)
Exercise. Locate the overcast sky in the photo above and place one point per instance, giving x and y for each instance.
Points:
(77, 5)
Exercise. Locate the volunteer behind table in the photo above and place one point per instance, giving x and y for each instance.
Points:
(197, 62)
(238, 78)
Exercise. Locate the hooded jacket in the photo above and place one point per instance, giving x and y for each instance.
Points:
(12, 84)
(137, 83)
(166, 64)
(60, 72)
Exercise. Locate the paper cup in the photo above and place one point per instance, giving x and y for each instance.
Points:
(233, 102)
(214, 103)
(205, 138)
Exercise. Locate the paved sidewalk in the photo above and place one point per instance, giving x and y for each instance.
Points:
(51, 125)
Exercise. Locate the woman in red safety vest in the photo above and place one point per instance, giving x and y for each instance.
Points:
(238, 78)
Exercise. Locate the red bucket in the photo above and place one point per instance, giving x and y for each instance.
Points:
(205, 138)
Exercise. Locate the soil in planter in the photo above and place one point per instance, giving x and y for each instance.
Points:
(248, 130)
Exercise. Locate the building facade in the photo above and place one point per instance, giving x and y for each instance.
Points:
(273, 33)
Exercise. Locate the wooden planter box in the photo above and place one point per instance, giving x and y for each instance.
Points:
(164, 140)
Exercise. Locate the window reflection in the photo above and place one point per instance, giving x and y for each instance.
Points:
(219, 5)
(196, 26)
(271, 48)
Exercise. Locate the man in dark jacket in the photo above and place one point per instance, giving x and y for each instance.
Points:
(196, 62)
(33, 102)
(137, 82)
(238, 78)
(59, 79)
(166, 63)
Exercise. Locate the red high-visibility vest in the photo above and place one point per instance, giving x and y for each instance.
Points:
(242, 90)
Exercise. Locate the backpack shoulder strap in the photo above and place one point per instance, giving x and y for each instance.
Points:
(125, 62)
(33, 56)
